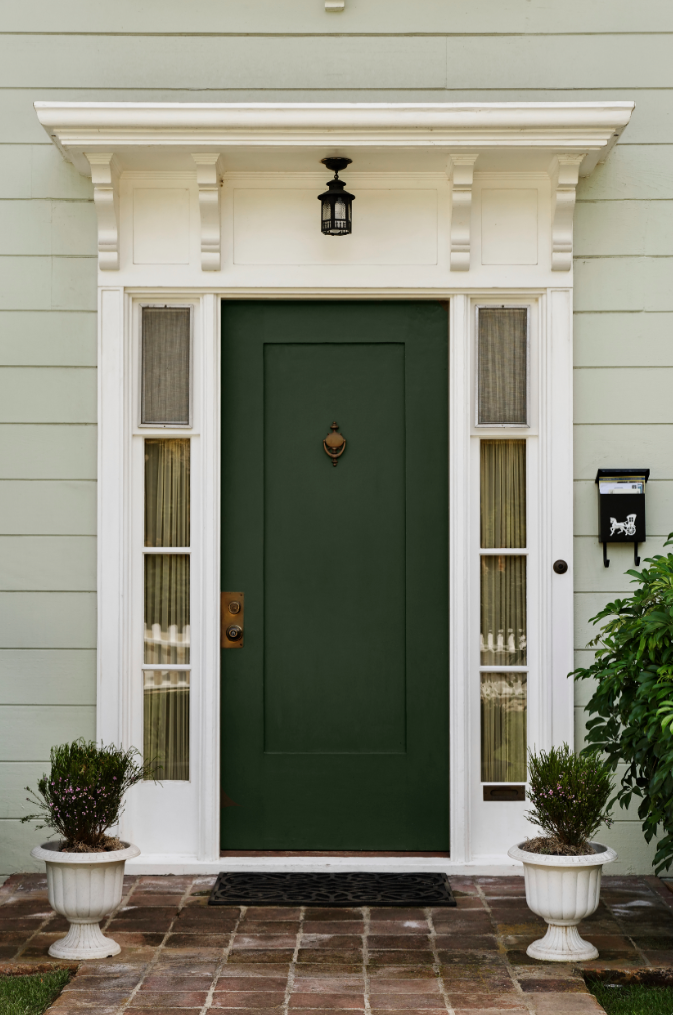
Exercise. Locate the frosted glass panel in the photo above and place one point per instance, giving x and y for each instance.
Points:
(503, 494)
(166, 722)
(165, 367)
(167, 631)
(167, 492)
(503, 611)
(503, 727)
(503, 365)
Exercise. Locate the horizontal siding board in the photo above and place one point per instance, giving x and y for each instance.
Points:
(48, 395)
(74, 281)
(25, 283)
(609, 395)
(587, 605)
(48, 338)
(635, 227)
(658, 508)
(607, 447)
(47, 452)
(28, 732)
(249, 62)
(14, 778)
(624, 283)
(32, 61)
(25, 227)
(47, 677)
(15, 168)
(49, 507)
(592, 576)
(47, 620)
(17, 842)
(48, 563)
(624, 340)
(632, 171)
(74, 228)
(374, 16)
(51, 175)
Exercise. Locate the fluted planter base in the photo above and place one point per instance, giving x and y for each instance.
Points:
(84, 887)
(84, 940)
(563, 890)
(562, 944)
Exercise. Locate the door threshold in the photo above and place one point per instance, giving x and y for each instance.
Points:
(353, 853)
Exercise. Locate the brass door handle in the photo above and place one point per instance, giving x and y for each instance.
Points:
(234, 632)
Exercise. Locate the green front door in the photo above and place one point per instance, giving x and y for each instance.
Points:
(335, 710)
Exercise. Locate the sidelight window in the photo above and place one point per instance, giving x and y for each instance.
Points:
(503, 629)
(166, 656)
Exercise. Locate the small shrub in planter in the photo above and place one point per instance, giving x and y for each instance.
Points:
(569, 794)
(80, 799)
(562, 869)
(83, 794)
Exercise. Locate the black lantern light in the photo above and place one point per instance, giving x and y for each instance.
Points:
(336, 203)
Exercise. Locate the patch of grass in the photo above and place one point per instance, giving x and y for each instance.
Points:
(632, 998)
(31, 995)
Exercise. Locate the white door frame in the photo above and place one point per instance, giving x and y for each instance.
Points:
(120, 596)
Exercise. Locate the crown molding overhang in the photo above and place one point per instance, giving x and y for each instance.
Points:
(565, 139)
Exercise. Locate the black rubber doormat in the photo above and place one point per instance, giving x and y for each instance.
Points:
(357, 888)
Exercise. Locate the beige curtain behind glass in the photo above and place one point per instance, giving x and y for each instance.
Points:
(503, 365)
(167, 608)
(165, 371)
(503, 494)
(167, 492)
(503, 611)
(166, 723)
(503, 727)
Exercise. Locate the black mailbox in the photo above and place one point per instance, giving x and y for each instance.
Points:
(621, 508)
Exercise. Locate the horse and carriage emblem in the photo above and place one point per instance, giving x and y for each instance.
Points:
(627, 528)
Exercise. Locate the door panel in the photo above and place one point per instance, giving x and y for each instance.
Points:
(335, 720)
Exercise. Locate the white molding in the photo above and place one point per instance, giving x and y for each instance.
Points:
(461, 173)
(208, 591)
(105, 179)
(335, 6)
(496, 866)
(207, 179)
(113, 506)
(574, 127)
(460, 510)
(557, 485)
(564, 173)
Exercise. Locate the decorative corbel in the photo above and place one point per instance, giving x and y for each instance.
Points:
(105, 179)
(564, 173)
(209, 208)
(461, 171)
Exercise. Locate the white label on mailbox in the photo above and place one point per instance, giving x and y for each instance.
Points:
(620, 486)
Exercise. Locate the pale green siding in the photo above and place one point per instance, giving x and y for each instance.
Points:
(378, 50)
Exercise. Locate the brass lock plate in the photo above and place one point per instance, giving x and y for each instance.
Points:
(232, 617)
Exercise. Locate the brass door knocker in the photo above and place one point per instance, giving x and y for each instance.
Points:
(334, 444)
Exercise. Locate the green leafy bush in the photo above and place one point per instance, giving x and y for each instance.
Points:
(569, 793)
(83, 794)
(631, 704)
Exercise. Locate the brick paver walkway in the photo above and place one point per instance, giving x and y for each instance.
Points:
(180, 956)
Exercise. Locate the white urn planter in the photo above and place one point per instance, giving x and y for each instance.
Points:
(84, 887)
(563, 890)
